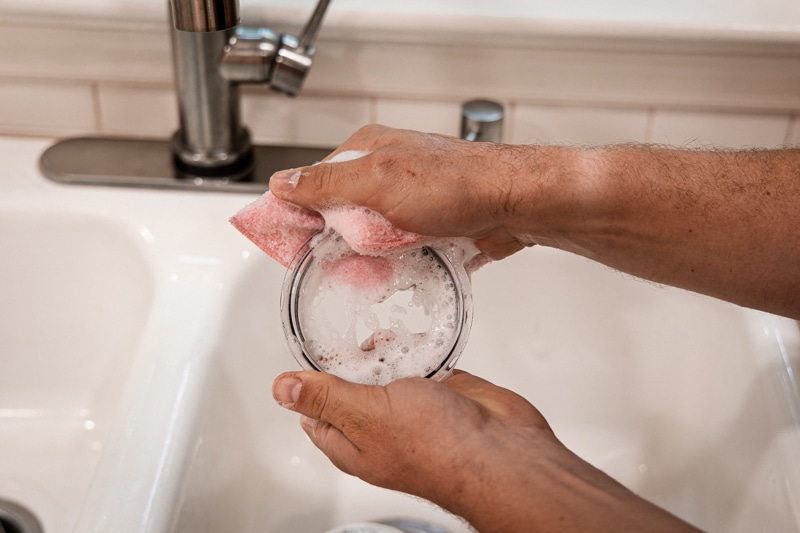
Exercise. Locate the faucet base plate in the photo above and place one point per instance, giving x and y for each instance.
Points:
(149, 163)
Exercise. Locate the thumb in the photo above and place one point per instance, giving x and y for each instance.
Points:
(335, 411)
(323, 185)
(322, 396)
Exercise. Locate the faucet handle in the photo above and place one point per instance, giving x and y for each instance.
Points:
(295, 56)
(309, 35)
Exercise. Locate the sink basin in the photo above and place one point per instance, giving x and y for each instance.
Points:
(111, 299)
(140, 335)
(253, 468)
(76, 291)
(689, 401)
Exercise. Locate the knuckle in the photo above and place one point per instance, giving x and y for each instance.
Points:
(319, 402)
(371, 131)
(322, 176)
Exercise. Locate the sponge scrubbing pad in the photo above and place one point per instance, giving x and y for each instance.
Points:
(280, 228)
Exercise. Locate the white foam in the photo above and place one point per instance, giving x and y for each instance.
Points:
(374, 334)
(347, 155)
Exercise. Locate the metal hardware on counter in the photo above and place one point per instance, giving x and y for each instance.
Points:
(482, 121)
(211, 150)
(14, 518)
(212, 56)
(151, 164)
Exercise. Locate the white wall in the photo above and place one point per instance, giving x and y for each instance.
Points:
(698, 82)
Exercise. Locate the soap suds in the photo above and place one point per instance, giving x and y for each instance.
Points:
(367, 232)
(374, 333)
(376, 304)
(348, 155)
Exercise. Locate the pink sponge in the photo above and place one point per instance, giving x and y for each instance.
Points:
(279, 228)
(367, 232)
(364, 272)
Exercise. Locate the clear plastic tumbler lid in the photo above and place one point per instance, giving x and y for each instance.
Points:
(374, 319)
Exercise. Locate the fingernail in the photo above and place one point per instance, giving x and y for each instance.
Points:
(287, 391)
(284, 180)
(309, 424)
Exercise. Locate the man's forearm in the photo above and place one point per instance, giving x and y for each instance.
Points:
(724, 223)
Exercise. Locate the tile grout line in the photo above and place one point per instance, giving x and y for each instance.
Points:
(97, 107)
(789, 139)
(649, 132)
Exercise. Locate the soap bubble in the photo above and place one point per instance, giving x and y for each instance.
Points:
(375, 319)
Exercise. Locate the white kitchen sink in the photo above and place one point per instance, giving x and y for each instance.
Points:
(76, 292)
(140, 336)
(689, 401)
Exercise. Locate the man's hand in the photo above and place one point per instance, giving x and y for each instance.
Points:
(424, 183)
(722, 223)
(478, 450)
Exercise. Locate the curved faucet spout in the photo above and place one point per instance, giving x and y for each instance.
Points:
(212, 56)
(204, 15)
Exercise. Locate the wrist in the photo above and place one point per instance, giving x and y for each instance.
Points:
(554, 490)
(551, 194)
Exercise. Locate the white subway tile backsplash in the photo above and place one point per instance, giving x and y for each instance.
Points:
(579, 74)
(421, 115)
(85, 52)
(46, 107)
(305, 120)
(723, 130)
(76, 78)
(578, 125)
(140, 111)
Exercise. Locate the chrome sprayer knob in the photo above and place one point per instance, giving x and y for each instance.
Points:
(482, 120)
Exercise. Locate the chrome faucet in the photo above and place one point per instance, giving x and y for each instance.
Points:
(482, 121)
(211, 150)
(212, 56)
